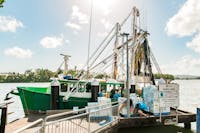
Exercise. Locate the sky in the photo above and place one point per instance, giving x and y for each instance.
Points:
(34, 33)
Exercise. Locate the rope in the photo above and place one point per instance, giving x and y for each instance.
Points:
(102, 50)
(123, 22)
(97, 49)
(103, 61)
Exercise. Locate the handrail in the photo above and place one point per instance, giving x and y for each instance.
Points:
(79, 110)
(30, 125)
(68, 118)
(45, 124)
(103, 109)
(87, 114)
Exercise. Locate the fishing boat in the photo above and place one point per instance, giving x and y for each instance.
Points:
(40, 99)
(126, 72)
(65, 92)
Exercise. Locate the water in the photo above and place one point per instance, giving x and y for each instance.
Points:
(189, 97)
(15, 107)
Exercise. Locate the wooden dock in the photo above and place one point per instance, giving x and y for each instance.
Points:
(183, 117)
(134, 122)
(17, 124)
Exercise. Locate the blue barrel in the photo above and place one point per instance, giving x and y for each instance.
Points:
(198, 120)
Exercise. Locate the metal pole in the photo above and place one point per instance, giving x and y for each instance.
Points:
(127, 80)
(89, 122)
(127, 74)
(89, 41)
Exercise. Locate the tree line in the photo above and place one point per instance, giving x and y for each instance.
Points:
(43, 75)
(164, 76)
(38, 75)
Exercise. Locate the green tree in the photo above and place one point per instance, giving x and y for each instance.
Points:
(43, 75)
(72, 72)
(29, 76)
(1, 3)
(165, 76)
(102, 75)
(2, 78)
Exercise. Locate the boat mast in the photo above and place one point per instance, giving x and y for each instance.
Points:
(66, 59)
(135, 14)
(127, 73)
(115, 51)
(89, 40)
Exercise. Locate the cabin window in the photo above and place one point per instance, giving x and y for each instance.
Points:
(111, 87)
(117, 87)
(64, 87)
(103, 88)
(72, 86)
(81, 88)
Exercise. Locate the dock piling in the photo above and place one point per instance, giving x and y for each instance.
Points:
(3, 119)
(198, 121)
(187, 125)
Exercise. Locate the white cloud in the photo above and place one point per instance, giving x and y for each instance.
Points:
(18, 52)
(102, 34)
(52, 41)
(186, 65)
(73, 25)
(187, 21)
(78, 15)
(77, 19)
(104, 5)
(67, 41)
(106, 24)
(9, 24)
(195, 43)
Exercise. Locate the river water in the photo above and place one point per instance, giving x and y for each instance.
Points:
(189, 97)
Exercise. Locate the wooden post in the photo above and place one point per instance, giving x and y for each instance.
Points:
(3, 119)
(55, 87)
(187, 125)
(94, 90)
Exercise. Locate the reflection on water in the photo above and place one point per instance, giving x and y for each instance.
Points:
(189, 97)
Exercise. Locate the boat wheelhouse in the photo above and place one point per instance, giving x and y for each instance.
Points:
(78, 93)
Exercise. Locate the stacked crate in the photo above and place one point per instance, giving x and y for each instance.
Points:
(151, 98)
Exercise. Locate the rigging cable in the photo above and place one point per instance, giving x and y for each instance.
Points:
(89, 41)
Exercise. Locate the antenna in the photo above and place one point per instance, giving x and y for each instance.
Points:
(66, 58)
